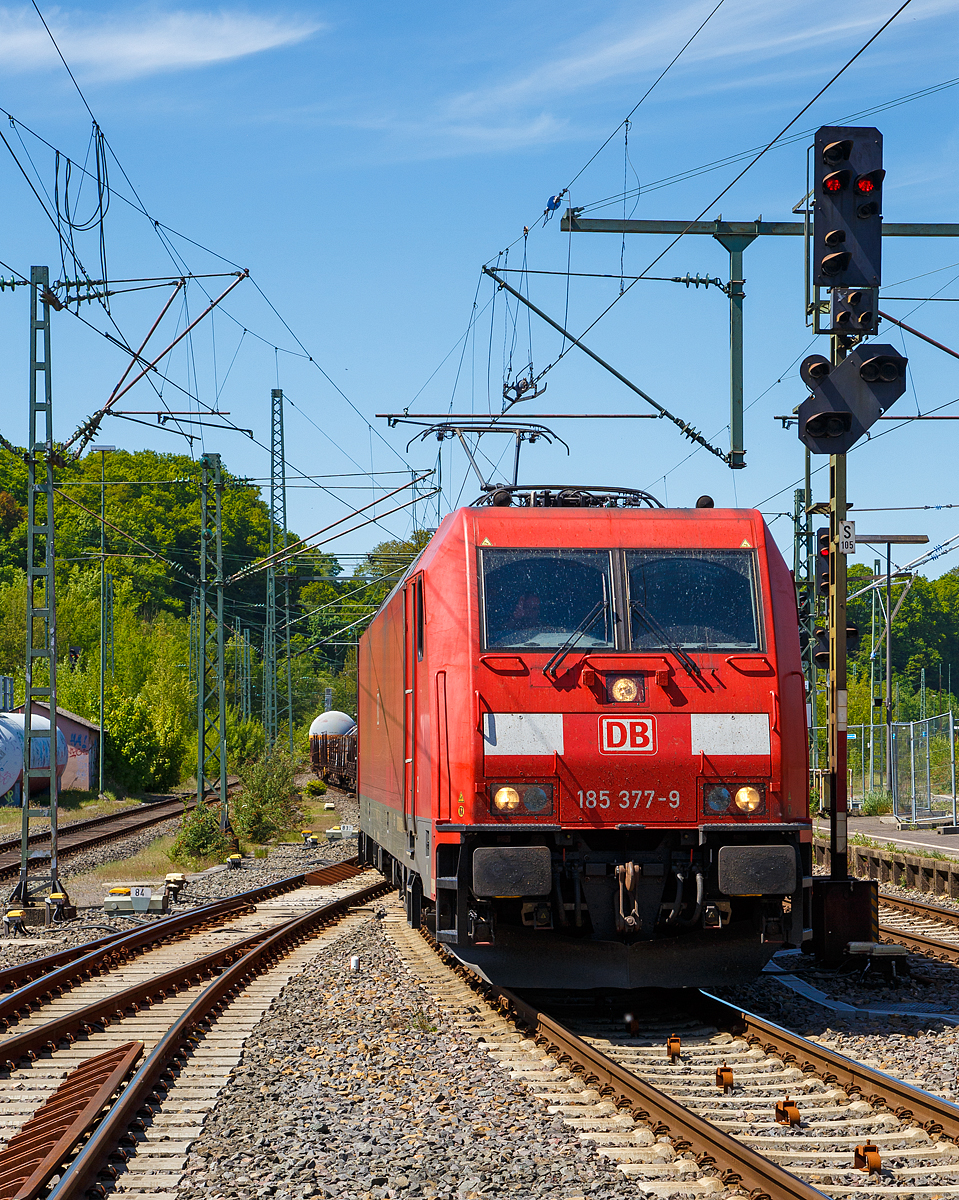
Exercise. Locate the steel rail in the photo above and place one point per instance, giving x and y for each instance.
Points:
(40, 978)
(32, 1042)
(919, 943)
(170, 804)
(687, 1131)
(935, 912)
(82, 1174)
(34, 1155)
(107, 829)
(936, 1116)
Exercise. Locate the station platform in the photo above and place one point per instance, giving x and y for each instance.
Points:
(910, 840)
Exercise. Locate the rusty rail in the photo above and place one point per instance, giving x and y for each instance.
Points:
(736, 1163)
(174, 1046)
(43, 978)
(921, 944)
(935, 912)
(938, 1117)
(82, 835)
(33, 1156)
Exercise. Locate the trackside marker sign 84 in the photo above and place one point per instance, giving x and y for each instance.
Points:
(627, 735)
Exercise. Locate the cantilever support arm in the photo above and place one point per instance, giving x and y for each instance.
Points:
(685, 428)
(89, 428)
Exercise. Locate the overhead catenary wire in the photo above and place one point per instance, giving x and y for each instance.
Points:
(748, 167)
(179, 263)
(281, 555)
(740, 155)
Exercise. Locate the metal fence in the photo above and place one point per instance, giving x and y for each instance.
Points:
(923, 767)
(6, 693)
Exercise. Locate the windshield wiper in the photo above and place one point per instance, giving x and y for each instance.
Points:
(587, 622)
(657, 631)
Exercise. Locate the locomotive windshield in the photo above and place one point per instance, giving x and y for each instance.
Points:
(698, 599)
(535, 599)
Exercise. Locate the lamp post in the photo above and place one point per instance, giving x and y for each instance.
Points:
(889, 540)
(102, 451)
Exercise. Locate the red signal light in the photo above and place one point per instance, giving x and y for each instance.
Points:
(870, 183)
(836, 181)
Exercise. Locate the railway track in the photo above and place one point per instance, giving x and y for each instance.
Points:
(83, 835)
(929, 929)
(677, 1127)
(693, 1119)
(185, 1005)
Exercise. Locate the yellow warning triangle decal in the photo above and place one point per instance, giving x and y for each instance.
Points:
(486, 542)
(745, 544)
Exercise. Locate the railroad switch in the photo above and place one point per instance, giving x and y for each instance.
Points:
(673, 1048)
(868, 1159)
(787, 1113)
(724, 1078)
(234, 862)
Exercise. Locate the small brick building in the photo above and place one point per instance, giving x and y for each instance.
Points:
(82, 772)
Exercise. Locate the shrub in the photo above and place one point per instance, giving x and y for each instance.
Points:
(316, 787)
(199, 837)
(877, 803)
(267, 802)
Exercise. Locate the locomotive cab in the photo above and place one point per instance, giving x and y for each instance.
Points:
(582, 742)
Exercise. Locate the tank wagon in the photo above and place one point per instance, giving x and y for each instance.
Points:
(582, 741)
(333, 748)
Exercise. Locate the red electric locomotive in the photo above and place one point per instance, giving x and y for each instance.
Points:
(582, 741)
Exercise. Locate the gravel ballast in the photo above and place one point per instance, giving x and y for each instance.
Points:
(354, 1085)
(87, 890)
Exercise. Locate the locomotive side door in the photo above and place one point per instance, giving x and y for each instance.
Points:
(409, 706)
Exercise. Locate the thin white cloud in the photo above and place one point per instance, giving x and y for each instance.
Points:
(735, 40)
(136, 43)
(748, 44)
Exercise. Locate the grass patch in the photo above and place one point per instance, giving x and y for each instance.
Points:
(315, 817)
(150, 865)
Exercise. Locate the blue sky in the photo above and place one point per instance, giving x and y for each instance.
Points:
(364, 160)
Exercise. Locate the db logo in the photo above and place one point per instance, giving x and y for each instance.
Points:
(627, 735)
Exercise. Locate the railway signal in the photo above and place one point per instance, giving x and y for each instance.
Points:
(822, 562)
(847, 399)
(820, 654)
(854, 310)
(847, 212)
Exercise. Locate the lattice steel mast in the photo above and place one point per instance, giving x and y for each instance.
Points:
(211, 675)
(41, 648)
(277, 696)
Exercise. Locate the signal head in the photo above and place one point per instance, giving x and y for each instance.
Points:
(870, 183)
(837, 152)
(828, 424)
(813, 370)
(883, 368)
(836, 181)
(847, 211)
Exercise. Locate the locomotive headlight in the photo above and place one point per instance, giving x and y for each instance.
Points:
(717, 799)
(535, 799)
(625, 690)
(506, 799)
(748, 799)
